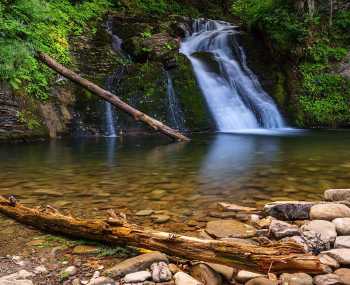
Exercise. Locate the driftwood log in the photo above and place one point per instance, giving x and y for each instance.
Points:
(110, 97)
(279, 257)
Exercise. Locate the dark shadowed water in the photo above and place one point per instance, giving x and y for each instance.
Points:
(91, 175)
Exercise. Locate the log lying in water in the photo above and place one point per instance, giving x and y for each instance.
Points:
(110, 97)
(279, 257)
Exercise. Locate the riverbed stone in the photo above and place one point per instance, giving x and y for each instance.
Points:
(289, 210)
(69, 271)
(342, 226)
(205, 274)
(182, 278)
(342, 242)
(327, 279)
(85, 249)
(296, 279)
(328, 260)
(144, 213)
(342, 255)
(325, 229)
(135, 264)
(160, 219)
(160, 272)
(139, 276)
(344, 275)
(244, 275)
(281, 229)
(101, 281)
(261, 281)
(229, 228)
(337, 195)
(329, 211)
(226, 271)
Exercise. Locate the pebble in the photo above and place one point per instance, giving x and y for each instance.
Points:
(342, 226)
(261, 281)
(181, 278)
(205, 274)
(342, 255)
(325, 229)
(101, 281)
(144, 213)
(40, 269)
(139, 276)
(327, 279)
(327, 260)
(296, 279)
(329, 211)
(244, 275)
(160, 272)
(337, 194)
(342, 242)
(281, 229)
(70, 271)
(160, 219)
(344, 275)
(229, 228)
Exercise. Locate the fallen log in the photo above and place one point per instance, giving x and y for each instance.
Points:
(278, 257)
(110, 97)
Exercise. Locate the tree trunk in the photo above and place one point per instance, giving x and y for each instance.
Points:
(110, 97)
(279, 257)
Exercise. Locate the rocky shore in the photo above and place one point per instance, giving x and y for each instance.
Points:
(322, 228)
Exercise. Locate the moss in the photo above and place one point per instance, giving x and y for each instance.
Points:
(192, 102)
(279, 92)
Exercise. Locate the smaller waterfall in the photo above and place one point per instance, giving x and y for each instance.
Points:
(176, 116)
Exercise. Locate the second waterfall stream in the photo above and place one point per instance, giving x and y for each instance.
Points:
(232, 91)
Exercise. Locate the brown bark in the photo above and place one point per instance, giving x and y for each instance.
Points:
(110, 97)
(279, 257)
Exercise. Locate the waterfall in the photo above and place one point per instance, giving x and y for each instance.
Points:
(176, 116)
(232, 91)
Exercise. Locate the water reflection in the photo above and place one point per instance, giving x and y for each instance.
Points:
(235, 157)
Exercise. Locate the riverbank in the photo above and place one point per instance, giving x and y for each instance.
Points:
(319, 228)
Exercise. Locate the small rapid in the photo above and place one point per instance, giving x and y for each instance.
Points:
(233, 93)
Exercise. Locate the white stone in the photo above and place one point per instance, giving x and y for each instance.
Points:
(181, 278)
(327, 279)
(243, 275)
(160, 272)
(282, 229)
(342, 242)
(342, 226)
(327, 260)
(325, 229)
(40, 269)
(101, 281)
(70, 271)
(139, 276)
(329, 211)
(296, 279)
(342, 255)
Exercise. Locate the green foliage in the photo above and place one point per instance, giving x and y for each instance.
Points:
(28, 26)
(27, 118)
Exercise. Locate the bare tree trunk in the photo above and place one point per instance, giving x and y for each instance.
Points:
(110, 97)
(279, 257)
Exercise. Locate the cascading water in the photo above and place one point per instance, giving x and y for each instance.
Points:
(232, 91)
(176, 116)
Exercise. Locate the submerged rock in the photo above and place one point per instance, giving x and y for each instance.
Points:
(342, 226)
(85, 249)
(329, 211)
(289, 210)
(205, 274)
(160, 219)
(135, 264)
(337, 194)
(144, 213)
(229, 228)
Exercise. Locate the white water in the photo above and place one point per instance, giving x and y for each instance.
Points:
(176, 116)
(232, 91)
